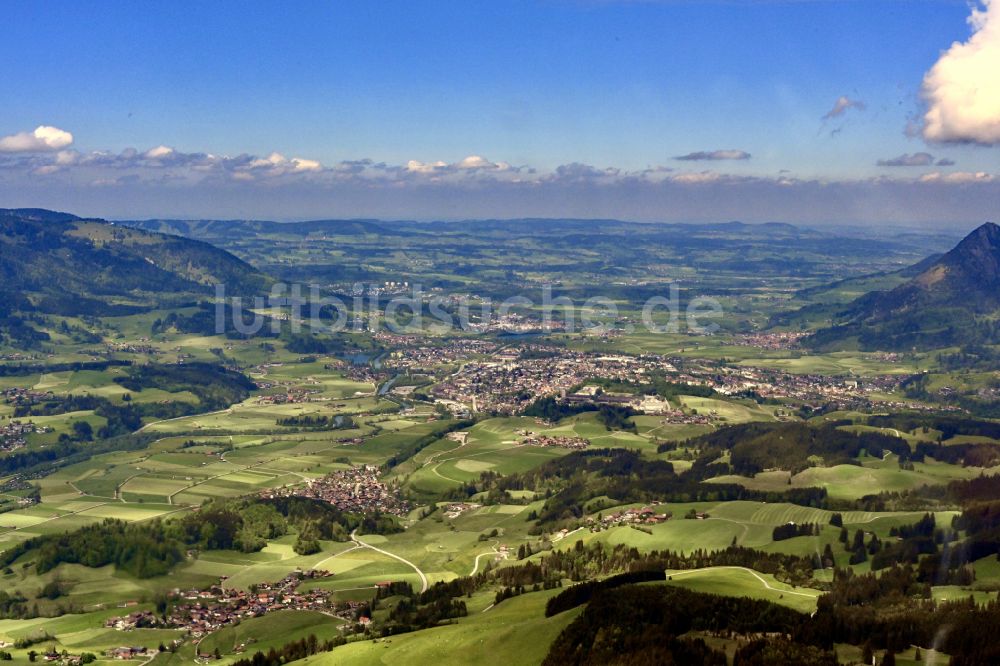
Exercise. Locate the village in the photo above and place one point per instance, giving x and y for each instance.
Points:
(12, 435)
(771, 341)
(513, 377)
(19, 396)
(200, 612)
(642, 516)
(13, 432)
(354, 490)
(531, 439)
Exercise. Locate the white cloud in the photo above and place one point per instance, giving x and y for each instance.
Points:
(301, 164)
(962, 89)
(842, 106)
(697, 178)
(958, 178)
(715, 155)
(274, 164)
(44, 138)
(158, 153)
(475, 162)
(417, 166)
(272, 160)
(576, 188)
(576, 172)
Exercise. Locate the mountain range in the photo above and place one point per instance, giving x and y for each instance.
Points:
(63, 264)
(951, 300)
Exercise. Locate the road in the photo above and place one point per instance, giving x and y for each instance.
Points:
(319, 565)
(494, 552)
(423, 578)
(188, 416)
(675, 574)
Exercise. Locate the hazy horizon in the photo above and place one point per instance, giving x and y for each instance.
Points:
(810, 113)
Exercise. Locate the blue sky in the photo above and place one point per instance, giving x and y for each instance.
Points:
(532, 86)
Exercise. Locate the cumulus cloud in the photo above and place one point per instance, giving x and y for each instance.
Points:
(159, 152)
(470, 164)
(944, 161)
(908, 160)
(474, 162)
(578, 173)
(129, 184)
(842, 106)
(43, 139)
(958, 177)
(245, 167)
(302, 164)
(714, 155)
(697, 178)
(962, 89)
(417, 166)
(200, 183)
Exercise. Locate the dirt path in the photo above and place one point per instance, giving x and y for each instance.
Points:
(675, 574)
(423, 578)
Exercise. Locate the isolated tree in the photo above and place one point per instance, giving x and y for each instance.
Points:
(83, 430)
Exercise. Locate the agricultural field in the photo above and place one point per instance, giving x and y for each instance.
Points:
(851, 482)
(512, 632)
(745, 583)
(152, 421)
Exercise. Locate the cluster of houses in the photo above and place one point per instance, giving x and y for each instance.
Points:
(201, 612)
(561, 441)
(130, 348)
(514, 377)
(20, 502)
(423, 357)
(642, 516)
(63, 657)
(510, 378)
(809, 388)
(293, 396)
(771, 341)
(354, 490)
(126, 653)
(24, 396)
(19, 357)
(13, 432)
(458, 508)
